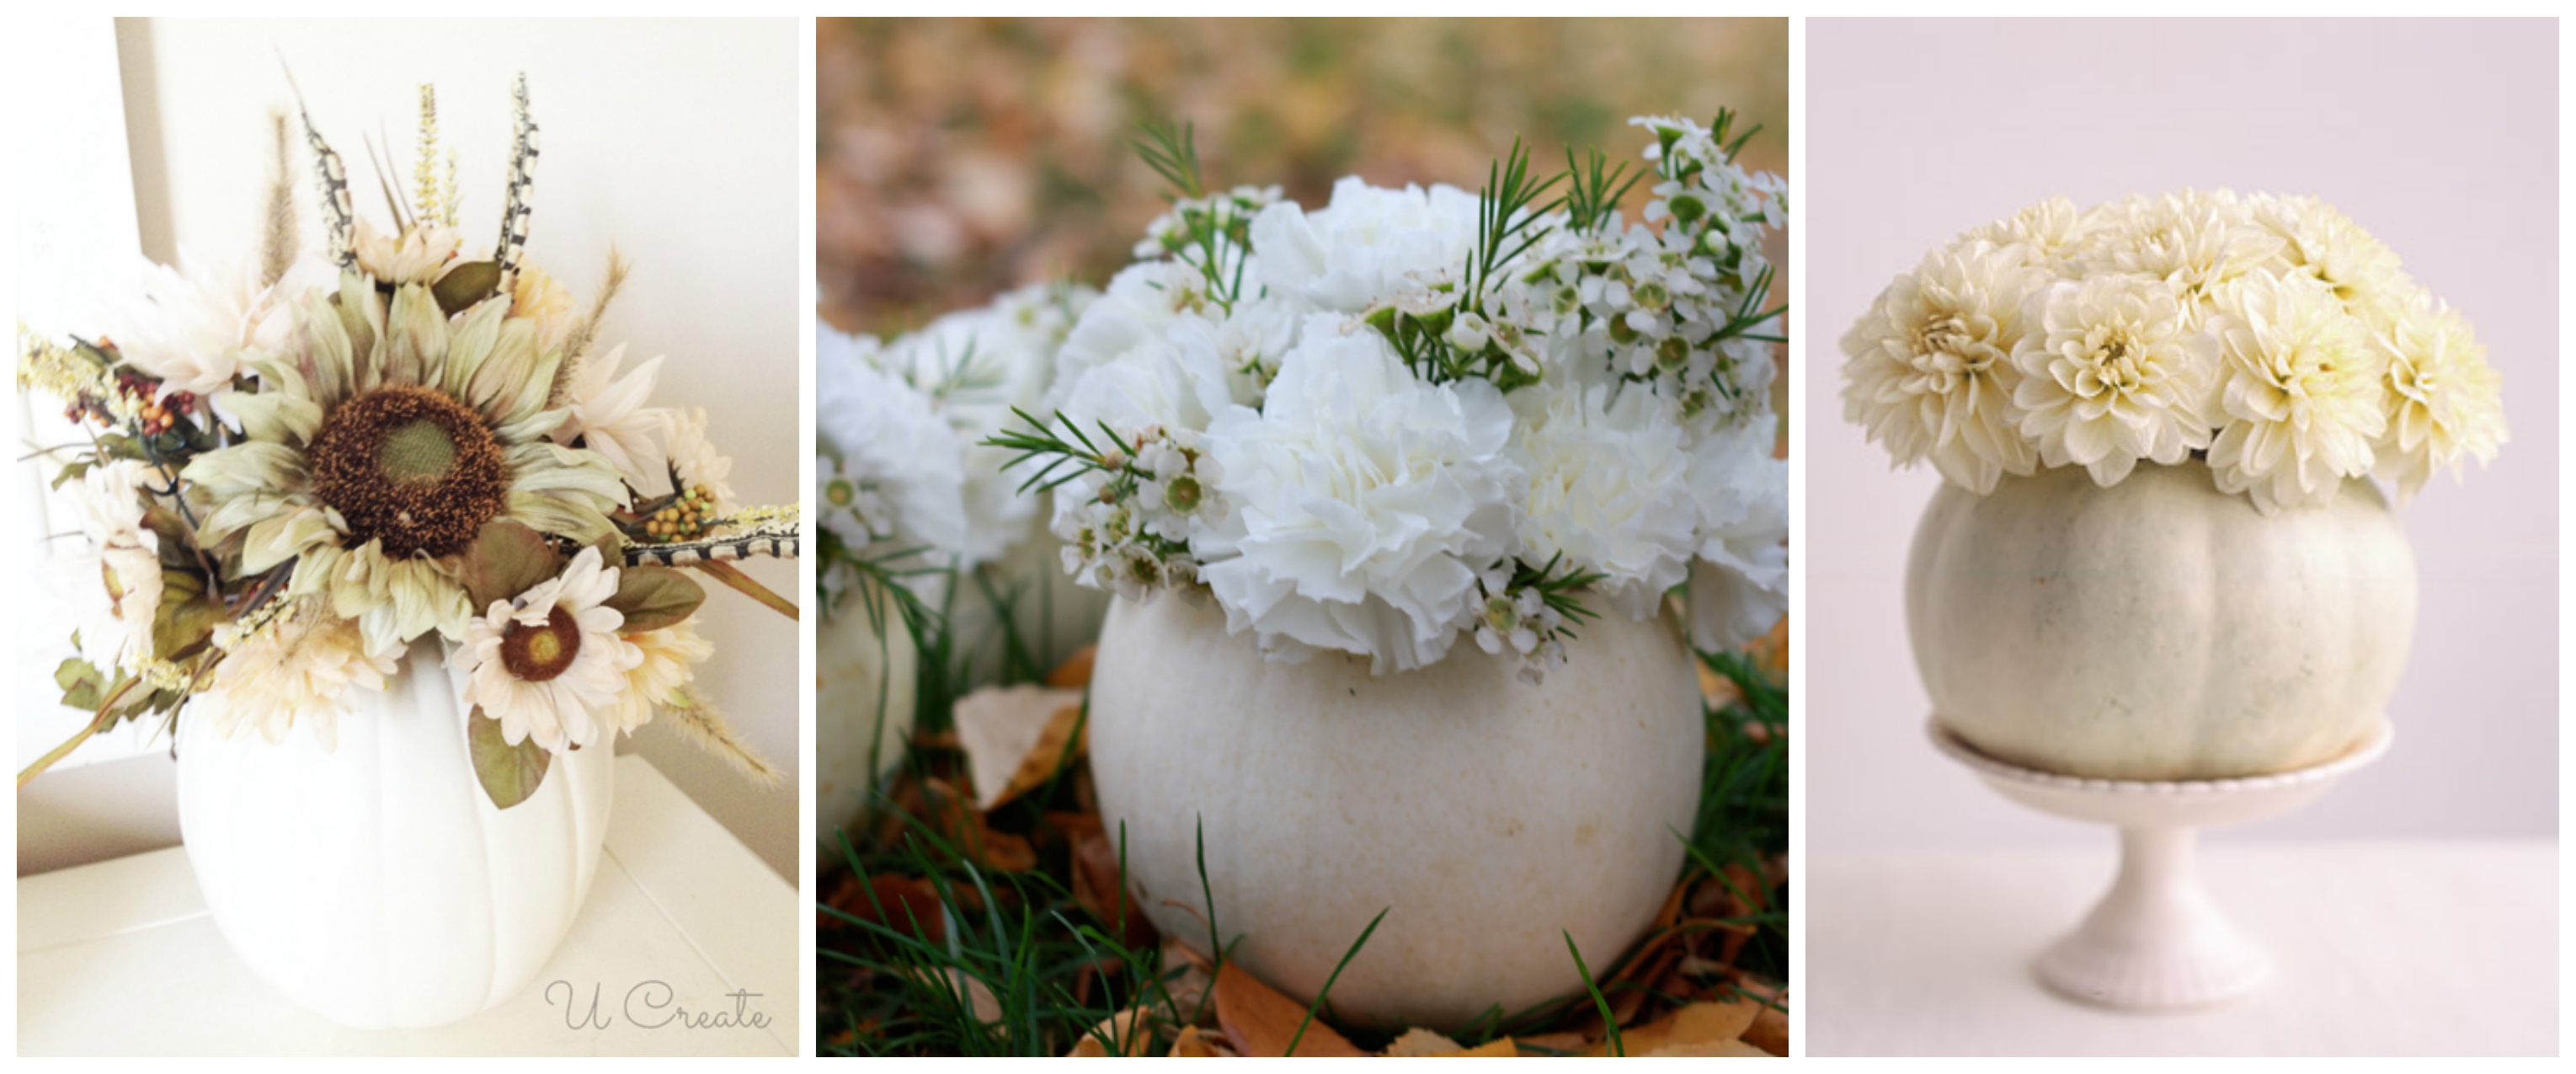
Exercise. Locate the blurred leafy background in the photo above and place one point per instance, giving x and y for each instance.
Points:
(957, 158)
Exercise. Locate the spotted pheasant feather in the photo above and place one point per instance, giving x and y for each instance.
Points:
(338, 216)
(523, 183)
(766, 531)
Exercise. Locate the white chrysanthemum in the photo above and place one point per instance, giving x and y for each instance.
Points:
(300, 670)
(1365, 247)
(2198, 241)
(607, 413)
(2055, 231)
(2447, 403)
(1930, 373)
(549, 663)
(1739, 584)
(666, 656)
(1607, 489)
(2301, 387)
(2114, 372)
(195, 326)
(116, 584)
(2320, 240)
(893, 447)
(1365, 503)
(699, 464)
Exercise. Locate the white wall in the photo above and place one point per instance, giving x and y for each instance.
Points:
(678, 140)
(2440, 137)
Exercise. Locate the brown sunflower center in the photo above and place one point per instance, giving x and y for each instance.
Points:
(539, 653)
(412, 467)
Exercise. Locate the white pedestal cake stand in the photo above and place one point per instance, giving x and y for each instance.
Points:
(2156, 941)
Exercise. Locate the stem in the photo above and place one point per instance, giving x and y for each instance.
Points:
(96, 723)
(731, 575)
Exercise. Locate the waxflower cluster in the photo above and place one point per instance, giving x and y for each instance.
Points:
(1416, 415)
(2270, 336)
(306, 475)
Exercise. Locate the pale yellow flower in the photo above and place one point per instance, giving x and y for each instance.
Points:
(665, 668)
(2114, 373)
(2301, 388)
(2446, 402)
(1930, 373)
(300, 670)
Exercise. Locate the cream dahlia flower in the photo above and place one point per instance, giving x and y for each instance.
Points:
(2321, 241)
(300, 670)
(2198, 241)
(195, 326)
(1368, 499)
(699, 464)
(2113, 373)
(2447, 403)
(2301, 390)
(378, 447)
(2056, 232)
(607, 414)
(541, 298)
(1930, 373)
(549, 664)
(117, 583)
(656, 678)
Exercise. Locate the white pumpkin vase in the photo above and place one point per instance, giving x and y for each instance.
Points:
(375, 883)
(2158, 629)
(1489, 817)
(864, 688)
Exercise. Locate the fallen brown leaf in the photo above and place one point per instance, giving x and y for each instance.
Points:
(902, 903)
(1419, 1041)
(1497, 1048)
(1260, 1022)
(1724, 1049)
(1005, 730)
(1769, 1031)
(1557, 1042)
(1196, 1043)
(978, 999)
(1697, 1024)
(1129, 1028)
(1075, 672)
(956, 820)
(1096, 885)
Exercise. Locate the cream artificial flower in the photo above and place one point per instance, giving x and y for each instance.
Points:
(541, 298)
(2114, 372)
(195, 326)
(1363, 504)
(300, 670)
(377, 448)
(607, 414)
(2301, 387)
(420, 254)
(2056, 232)
(664, 668)
(117, 583)
(549, 664)
(2446, 402)
(700, 465)
(1930, 373)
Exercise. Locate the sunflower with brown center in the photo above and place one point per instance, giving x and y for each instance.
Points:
(379, 445)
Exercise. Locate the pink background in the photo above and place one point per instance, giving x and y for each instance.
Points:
(2439, 137)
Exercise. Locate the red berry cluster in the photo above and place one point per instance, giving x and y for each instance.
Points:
(159, 415)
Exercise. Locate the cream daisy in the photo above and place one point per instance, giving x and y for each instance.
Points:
(376, 450)
(2114, 373)
(606, 413)
(302, 670)
(119, 579)
(549, 664)
(2301, 389)
(1931, 373)
(664, 667)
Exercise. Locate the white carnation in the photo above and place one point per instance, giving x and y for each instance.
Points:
(1739, 585)
(1365, 502)
(1607, 489)
(1367, 246)
(890, 441)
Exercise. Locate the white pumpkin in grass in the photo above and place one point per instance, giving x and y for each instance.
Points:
(1489, 817)
(864, 687)
(2158, 629)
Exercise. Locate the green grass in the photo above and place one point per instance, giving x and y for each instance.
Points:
(890, 982)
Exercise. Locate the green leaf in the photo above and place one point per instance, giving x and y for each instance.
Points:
(185, 616)
(73, 471)
(507, 559)
(509, 774)
(465, 285)
(83, 686)
(652, 598)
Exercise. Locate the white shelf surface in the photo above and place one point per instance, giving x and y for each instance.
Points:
(2397, 948)
(121, 958)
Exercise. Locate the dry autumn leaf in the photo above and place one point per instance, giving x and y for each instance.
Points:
(902, 903)
(1565, 1042)
(1131, 1028)
(956, 820)
(1075, 672)
(1697, 1024)
(1014, 736)
(1418, 1042)
(1260, 1022)
(1769, 1031)
(1096, 886)
(1196, 1043)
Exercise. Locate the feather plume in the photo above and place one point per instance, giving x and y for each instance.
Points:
(278, 238)
(698, 720)
(577, 341)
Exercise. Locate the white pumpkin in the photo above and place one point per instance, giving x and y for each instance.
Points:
(375, 883)
(863, 700)
(1483, 813)
(2158, 629)
(1053, 614)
